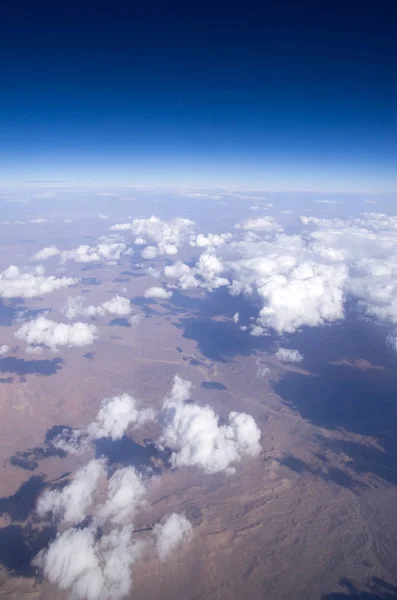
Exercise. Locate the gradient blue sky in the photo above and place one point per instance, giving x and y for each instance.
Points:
(286, 95)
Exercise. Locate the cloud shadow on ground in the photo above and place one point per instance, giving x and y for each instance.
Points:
(348, 396)
(20, 366)
(377, 590)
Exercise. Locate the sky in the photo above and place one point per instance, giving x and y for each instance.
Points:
(273, 95)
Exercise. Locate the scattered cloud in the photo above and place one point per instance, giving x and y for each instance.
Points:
(163, 237)
(194, 435)
(174, 531)
(15, 283)
(116, 415)
(108, 251)
(4, 349)
(289, 355)
(43, 332)
(158, 292)
(94, 557)
(263, 224)
(71, 503)
(46, 253)
(126, 493)
(327, 202)
(92, 567)
(118, 305)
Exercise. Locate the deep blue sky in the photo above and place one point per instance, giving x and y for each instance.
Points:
(264, 94)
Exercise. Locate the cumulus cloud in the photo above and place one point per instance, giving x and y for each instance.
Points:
(158, 292)
(262, 224)
(118, 305)
(195, 437)
(15, 283)
(289, 355)
(201, 241)
(4, 349)
(174, 531)
(43, 332)
(46, 253)
(116, 415)
(94, 560)
(126, 493)
(72, 502)
(107, 250)
(91, 566)
(303, 278)
(163, 237)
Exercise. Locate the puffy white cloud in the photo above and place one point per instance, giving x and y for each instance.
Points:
(158, 292)
(303, 278)
(289, 355)
(43, 332)
(202, 241)
(95, 562)
(107, 250)
(165, 237)
(236, 317)
(73, 501)
(4, 349)
(15, 283)
(183, 274)
(46, 253)
(91, 566)
(118, 305)
(262, 224)
(126, 493)
(116, 415)
(174, 531)
(194, 435)
(149, 252)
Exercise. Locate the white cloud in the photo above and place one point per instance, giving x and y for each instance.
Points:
(211, 239)
(149, 252)
(158, 292)
(4, 349)
(289, 355)
(71, 503)
(108, 251)
(194, 435)
(46, 253)
(165, 237)
(118, 305)
(91, 566)
(236, 317)
(43, 332)
(94, 562)
(15, 283)
(262, 224)
(126, 493)
(327, 202)
(174, 531)
(40, 220)
(116, 415)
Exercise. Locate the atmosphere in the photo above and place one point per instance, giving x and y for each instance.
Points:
(275, 95)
